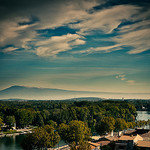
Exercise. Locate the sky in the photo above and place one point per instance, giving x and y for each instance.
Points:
(82, 45)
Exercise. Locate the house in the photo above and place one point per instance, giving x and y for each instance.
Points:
(138, 137)
(126, 142)
(144, 133)
(103, 143)
(94, 146)
(144, 145)
(131, 138)
(106, 140)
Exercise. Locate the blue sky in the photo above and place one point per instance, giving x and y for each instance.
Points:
(76, 45)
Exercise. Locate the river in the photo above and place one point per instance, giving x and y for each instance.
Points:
(13, 142)
(143, 115)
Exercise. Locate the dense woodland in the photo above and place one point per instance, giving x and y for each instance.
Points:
(142, 104)
(73, 121)
(39, 113)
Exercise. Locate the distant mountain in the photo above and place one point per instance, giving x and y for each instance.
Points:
(33, 93)
(22, 92)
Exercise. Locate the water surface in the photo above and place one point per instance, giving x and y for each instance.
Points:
(13, 142)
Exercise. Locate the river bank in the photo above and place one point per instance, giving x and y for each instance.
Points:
(15, 132)
(12, 141)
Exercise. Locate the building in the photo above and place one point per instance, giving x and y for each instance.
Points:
(144, 145)
(144, 133)
(126, 142)
(94, 146)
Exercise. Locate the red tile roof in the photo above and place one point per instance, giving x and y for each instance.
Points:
(143, 144)
(102, 143)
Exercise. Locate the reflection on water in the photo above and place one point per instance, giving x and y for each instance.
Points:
(11, 143)
(143, 115)
(61, 143)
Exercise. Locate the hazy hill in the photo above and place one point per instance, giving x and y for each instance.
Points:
(33, 93)
(22, 92)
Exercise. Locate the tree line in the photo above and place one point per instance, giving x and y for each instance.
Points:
(40, 113)
(76, 134)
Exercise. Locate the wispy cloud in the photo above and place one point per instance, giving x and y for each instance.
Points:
(106, 20)
(57, 44)
(131, 82)
(19, 35)
(14, 34)
(135, 35)
(76, 15)
(9, 49)
(123, 77)
(103, 49)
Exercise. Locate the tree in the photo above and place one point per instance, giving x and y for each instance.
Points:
(10, 121)
(105, 125)
(82, 145)
(53, 123)
(131, 125)
(43, 137)
(63, 131)
(75, 131)
(23, 117)
(120, 124)
(38, 120)
(45, 114)
(1, 123)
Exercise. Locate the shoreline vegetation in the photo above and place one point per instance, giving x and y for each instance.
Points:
(99, 117)
(15, 132)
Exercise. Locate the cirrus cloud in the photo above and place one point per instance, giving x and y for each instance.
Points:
(77, 15)
(57, 44)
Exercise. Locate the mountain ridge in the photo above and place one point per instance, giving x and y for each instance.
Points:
(25, 92)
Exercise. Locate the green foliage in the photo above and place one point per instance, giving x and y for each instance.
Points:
(120, 124)
(24, 117)
(1, 123)
(45, 114)
(43, 137)
(141, 105)
(52, 123)
(63, 131)
(131, 125)
(141, 123)
(105, 125)
(40, 113)
(38, 120)
(82, 145)
(10, 120)
(75, 131)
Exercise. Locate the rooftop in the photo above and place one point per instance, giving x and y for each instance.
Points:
(126, 137)
(130, 138)
(144, 133)
(93, 145)
(143, 144)
(103, 143)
